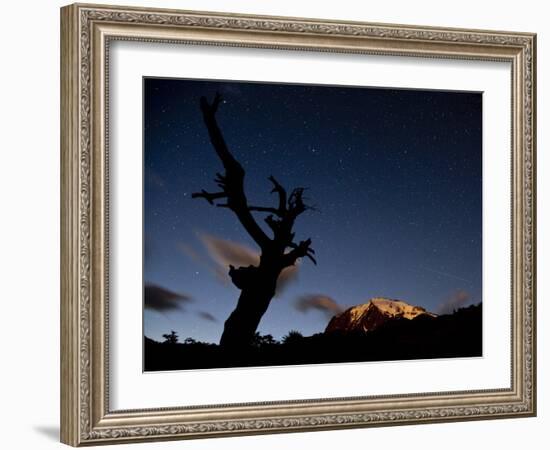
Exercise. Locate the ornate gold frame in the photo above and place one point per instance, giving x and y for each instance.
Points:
(86, 31)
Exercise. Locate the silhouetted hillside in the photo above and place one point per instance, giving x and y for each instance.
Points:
(424, 337)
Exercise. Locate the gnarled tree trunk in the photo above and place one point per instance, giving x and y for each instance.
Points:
(256, 294)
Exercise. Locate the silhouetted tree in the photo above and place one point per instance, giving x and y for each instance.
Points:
(171, 338)
(260, 340)
(257, 283)
(293, 337)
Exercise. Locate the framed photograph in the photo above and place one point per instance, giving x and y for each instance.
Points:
(274, 224)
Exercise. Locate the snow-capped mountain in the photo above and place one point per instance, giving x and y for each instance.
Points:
(369, 316)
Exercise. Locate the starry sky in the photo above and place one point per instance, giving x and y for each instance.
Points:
(395, 176)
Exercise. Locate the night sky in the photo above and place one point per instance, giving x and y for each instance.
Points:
(395, 176)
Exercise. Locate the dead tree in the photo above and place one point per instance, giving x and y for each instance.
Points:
(257, 283)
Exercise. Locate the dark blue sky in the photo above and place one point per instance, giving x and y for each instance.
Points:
(395, 176)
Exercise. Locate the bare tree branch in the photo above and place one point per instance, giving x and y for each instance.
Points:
(210, 197)
(231, 165)
(296, 203)
(266, 209)
(273, 223)
(299, 251)
(232, 182)
(282, 193)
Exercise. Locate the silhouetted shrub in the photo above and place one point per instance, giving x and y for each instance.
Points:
(171, 338)
(292, 338)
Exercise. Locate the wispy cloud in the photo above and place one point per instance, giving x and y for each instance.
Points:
(224, 253)
(456, 300)
(318, 302)
(161, 299)
(200, 259)
(206, 316)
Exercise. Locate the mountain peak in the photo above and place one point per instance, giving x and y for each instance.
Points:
(369, 316)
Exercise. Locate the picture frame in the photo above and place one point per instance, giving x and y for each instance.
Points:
(87, 415)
